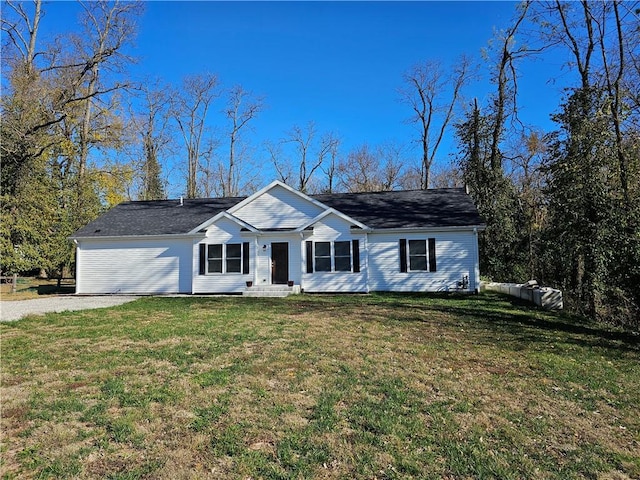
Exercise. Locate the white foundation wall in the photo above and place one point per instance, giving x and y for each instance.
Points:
(141, 266)
(456, 257)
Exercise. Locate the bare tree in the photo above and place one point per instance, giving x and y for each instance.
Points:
(242, 107)
(152, 129)
(331, 169)
(283, 168)
(24, 41)
(602, 39)
(392, 158)
(370, 170)
(505, 78)
(309, 152)
(447, 176)
(359, 171)
(614, 64)
(109, 26)
(67, 78)
(425, 87)
(190, 109)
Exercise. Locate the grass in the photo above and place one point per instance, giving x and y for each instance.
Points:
(381, 386)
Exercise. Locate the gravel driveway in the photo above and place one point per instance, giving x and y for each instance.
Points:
(14, 310)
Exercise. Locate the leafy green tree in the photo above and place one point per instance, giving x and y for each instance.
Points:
(592, 237)
(51, 120)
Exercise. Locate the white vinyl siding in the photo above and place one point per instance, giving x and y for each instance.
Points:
(263, 257)
(456, 258)
(223, 272)
(278, 208)
(332, 229)
(134, 266)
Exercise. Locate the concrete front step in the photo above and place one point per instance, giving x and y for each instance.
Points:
(271, 291)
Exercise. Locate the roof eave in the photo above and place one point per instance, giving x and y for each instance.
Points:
(453, 228)
(339, 214)
(134, 237)
(227, 215)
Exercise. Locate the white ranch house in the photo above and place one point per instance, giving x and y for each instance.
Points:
(403, 241)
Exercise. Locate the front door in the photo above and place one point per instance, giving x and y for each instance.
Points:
(279, 263)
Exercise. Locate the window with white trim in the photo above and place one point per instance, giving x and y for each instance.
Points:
(214, 258)
(224, 258)
(323, 256)
(417, 255)
(234, 257)
(342, 256)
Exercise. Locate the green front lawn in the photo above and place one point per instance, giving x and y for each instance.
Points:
(377, 386)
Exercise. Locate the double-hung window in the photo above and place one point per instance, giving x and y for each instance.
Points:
(333, 256)
(234, 257)
(342, 256)
(418, 255)
(224, 258)
(214, 258)
(323, 256)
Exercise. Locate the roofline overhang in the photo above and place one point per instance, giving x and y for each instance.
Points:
(227, 215)
(337, 213)
(259, 233)
(139, 237)
(457, 228)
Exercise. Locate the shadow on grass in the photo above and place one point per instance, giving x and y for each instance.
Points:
(53, 289)
(527, 323)
(498, 314)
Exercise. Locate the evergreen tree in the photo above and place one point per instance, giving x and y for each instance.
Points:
(152, 188)
(580, 203)
(495, 197)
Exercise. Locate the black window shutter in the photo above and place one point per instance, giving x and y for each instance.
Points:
(403, 255)
(245, 258)
(432, 254)
(356, 255)
(309, 246)
(203, 258)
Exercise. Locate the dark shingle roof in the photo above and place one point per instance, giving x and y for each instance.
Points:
(449, 207)
(158, 217)
(442, 207)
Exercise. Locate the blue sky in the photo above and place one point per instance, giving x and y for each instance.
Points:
(338, 64)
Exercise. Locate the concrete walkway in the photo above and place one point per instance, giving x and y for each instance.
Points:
(16, 309)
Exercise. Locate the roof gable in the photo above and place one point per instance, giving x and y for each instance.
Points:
(277, 206)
